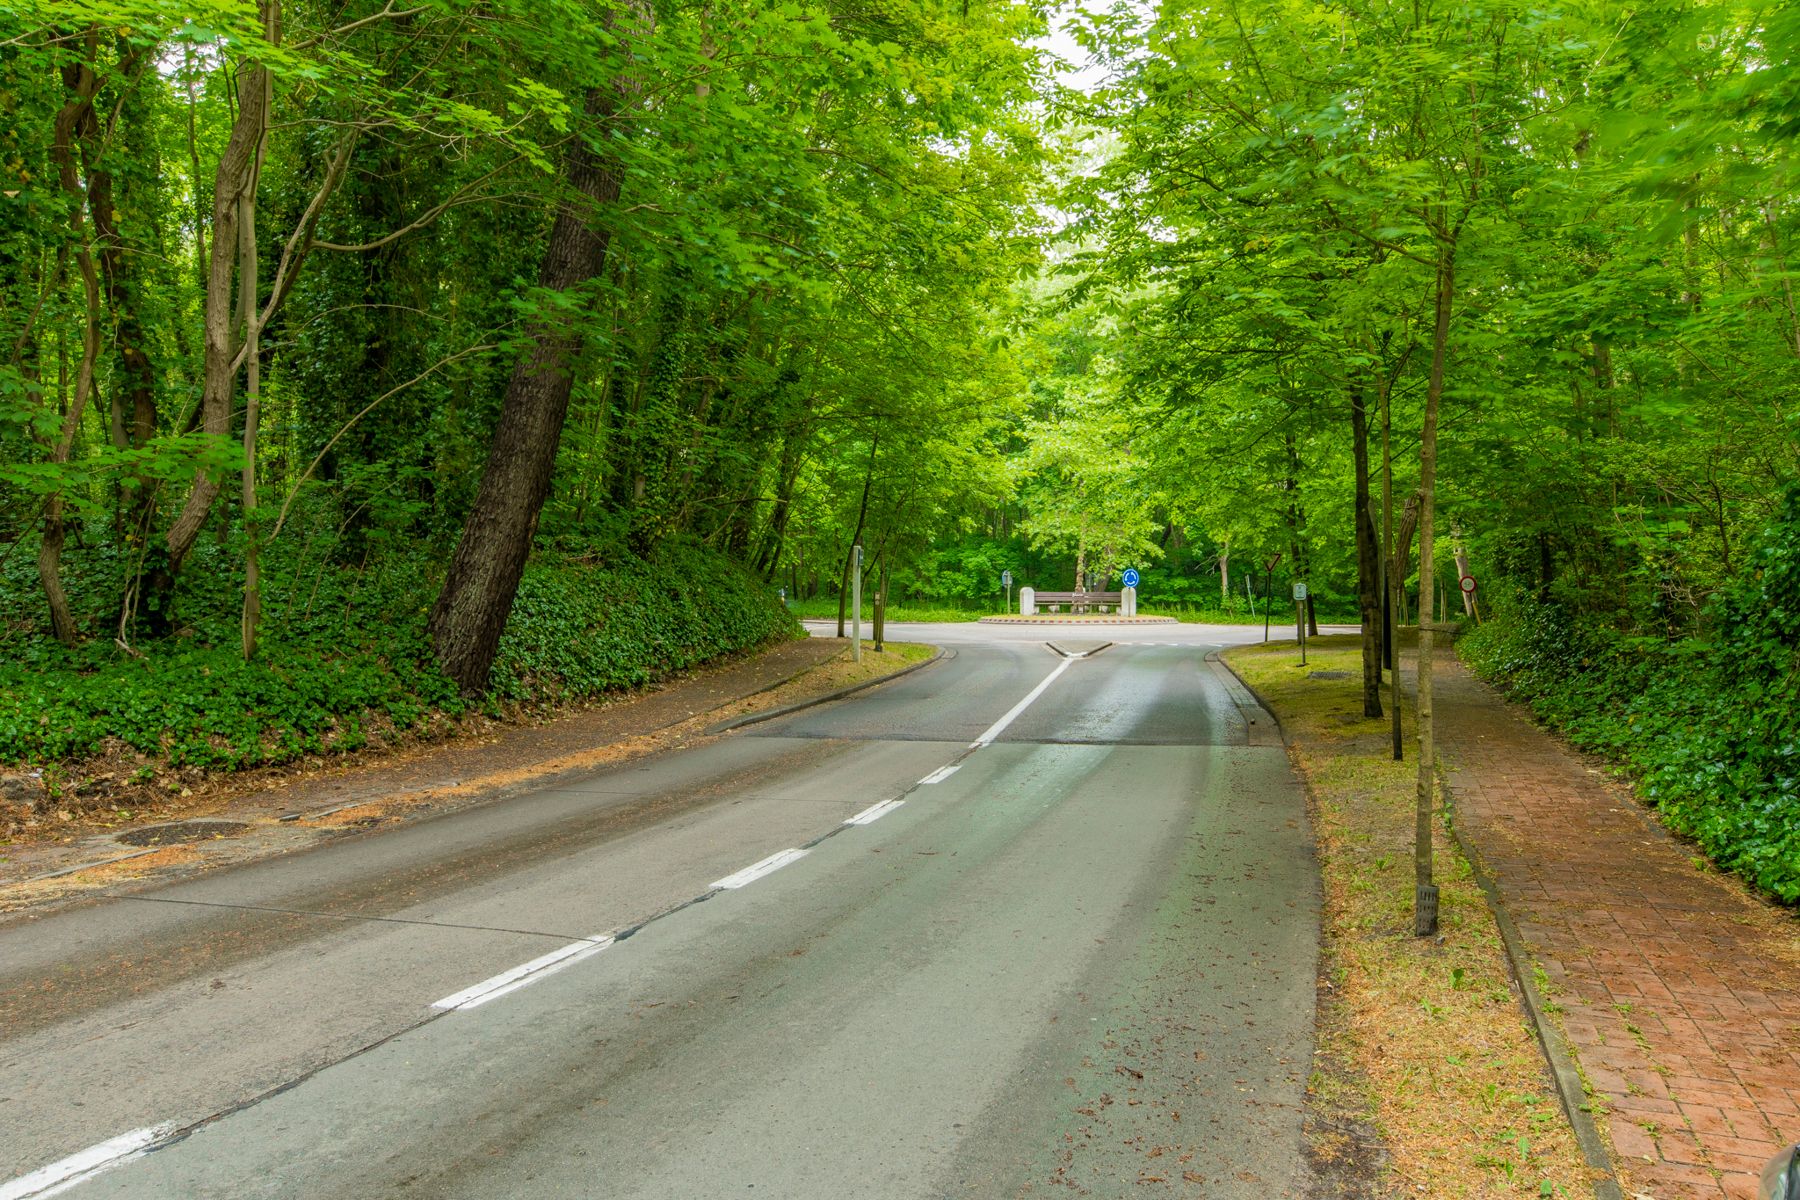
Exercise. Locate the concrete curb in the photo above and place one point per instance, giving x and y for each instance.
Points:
(505, 792)
(1077, 622)
(1251, 705)
(1563, 1073)
(86, 866)
(769, 715)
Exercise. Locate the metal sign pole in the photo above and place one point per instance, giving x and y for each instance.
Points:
(856, 607)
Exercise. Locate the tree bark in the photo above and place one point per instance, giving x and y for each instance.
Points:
(1368, 564)
(134, 395)
(477, 597)
(235, 175)
(76, 113)
(1424, 891)
(248, 273)
(1391, 575)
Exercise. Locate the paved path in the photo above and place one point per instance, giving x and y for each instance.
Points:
(1680, 995)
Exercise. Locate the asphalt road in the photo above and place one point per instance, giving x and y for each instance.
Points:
(1064, 942)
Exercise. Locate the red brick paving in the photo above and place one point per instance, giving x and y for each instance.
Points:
(1679, 993)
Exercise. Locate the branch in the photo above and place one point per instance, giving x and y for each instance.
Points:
(281, 518)
(458, 197)
(386, 14)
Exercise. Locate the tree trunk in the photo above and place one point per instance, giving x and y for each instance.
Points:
(472, 610)
(251, 615)
(134, 394)
(76, 114)
(1424, 892)
(1390, 571)
(1368, 567)
(235, 175)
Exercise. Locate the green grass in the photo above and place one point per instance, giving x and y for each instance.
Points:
(825, 608)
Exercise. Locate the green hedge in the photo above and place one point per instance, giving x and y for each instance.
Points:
(1710, 727)
(317, 685)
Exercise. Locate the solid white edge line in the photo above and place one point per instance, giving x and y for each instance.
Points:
(757, 870)
(510, 981)
(84, 1164)
(941, 774)
(874, 812)
(999, 727)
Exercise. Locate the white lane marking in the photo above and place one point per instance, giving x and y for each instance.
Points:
(874, 812)
(524, 974)
(999, 727)
(941, 774)
(757, 870)
(85, 1164)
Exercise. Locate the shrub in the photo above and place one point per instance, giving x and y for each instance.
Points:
(1711, 727)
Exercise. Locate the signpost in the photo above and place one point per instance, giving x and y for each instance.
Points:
(1006, 582)
(1467, 583)
(856, 605)
(1300, 619)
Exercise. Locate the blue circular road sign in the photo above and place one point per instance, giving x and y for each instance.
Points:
(1130, 577)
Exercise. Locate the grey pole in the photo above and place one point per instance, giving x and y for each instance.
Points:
(856, 606)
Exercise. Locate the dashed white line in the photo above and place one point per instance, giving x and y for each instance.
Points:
(757, 870)
(84, 1165)
(874, 812)
(999, 727)
(941, 774)
(524, 975)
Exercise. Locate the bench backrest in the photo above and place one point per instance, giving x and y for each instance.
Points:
(1079, 597)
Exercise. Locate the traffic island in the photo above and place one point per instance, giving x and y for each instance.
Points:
(1078, 619)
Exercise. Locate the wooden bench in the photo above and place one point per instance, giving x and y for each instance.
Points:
(1079, 601)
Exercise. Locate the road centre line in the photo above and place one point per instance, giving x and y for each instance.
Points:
(999, 727)
(523, 975)
(85, 1164)
(941, 774)
(757, 870)
(875, 812)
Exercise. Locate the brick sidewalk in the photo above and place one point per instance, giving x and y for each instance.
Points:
(1680, 994)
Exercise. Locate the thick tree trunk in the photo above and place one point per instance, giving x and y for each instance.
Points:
(477, 597)
(1368, 564)
(1225, 575)
(1424, 892)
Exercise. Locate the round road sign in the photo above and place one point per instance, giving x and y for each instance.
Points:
(1468, 584)
(1130, 577)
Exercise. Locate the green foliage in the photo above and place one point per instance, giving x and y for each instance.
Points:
(1709, 725)
(577, 630)
(353, 660)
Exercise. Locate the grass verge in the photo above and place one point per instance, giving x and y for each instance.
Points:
(1423, 1038)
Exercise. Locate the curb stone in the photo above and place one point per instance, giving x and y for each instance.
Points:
(510, 790)
(827, 698)
(1563, 1071)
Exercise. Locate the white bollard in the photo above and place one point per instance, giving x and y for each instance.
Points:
(1128, 602)
(1027, 602)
